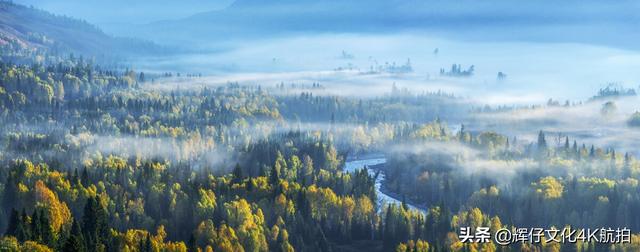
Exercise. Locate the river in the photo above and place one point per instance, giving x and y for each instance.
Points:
(365, 162)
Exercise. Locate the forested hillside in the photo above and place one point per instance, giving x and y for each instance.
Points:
(27, 33)
(96, 158)
(92, 161)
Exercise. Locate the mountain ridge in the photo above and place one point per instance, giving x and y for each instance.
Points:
(559, 21)
(27, 29)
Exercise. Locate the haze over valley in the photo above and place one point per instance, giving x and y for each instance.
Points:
(307, 125)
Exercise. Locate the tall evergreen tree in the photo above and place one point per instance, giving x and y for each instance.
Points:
(14, 222)
(48, 236)
(542, 146)
(542, 142)
(274, 176)
(237, 174)
(147, 244)
(23, 231)
(94, 223)
(191, 244)
(36, 228)
(10, 192)
(75, 241)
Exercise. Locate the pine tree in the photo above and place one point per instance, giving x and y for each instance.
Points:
(23, 231)
(75, 242)
(404, 203)
(75, 179)
(237, 174)
(36, 228)
(627, 159)
(14, 222)
(626, 170)
(147, 244)
(191, 245)
(94, 223)
(10, 192)
(141, 77)
(48, 237)
(85, 177)
(274, 176)
(542, 142)
(613, 156)
(542, 145)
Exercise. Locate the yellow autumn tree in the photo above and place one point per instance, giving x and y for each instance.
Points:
(58, 211)
(207, 203)
(248, 223)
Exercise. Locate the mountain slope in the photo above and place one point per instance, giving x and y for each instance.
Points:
(28, 29)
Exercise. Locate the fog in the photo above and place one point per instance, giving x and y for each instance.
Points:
(586, 123)
(463, 160)
(545, 50)
(194, 151)
(534, 72)
(341, 63)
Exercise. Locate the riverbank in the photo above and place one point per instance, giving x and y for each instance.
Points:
(374, 163)
(385, 189)
(364, 156)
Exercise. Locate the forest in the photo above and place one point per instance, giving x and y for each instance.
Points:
(98, 155)
(95, 161)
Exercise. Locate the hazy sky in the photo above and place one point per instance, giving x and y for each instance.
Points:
(108, 13)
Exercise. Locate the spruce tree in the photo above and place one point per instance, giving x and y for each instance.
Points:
(542, 142)
(75, 242)
(191, 245)
(23, 231)
(10, 192)
(94, 223)
(36, 228)
(237, 174)
(274, 176)
(14, 222)
(48, 236)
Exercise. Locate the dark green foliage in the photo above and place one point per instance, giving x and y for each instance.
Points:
(75, 241)
(94, 224)
(287, 188)
(14, 221)
(237, 174)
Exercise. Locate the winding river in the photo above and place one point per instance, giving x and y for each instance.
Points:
(356, 163)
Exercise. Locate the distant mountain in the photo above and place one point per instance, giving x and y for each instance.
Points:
(588, 21)
(26, 29)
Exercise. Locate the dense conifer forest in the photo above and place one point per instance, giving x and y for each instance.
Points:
(99, 157)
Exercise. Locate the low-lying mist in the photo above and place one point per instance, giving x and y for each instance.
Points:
(462, 160)
(532, 71)
(589, 123)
